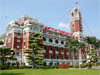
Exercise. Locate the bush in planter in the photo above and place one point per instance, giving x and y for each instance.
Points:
(64, 66)
(70, 66)
(17, 65)
(44, 63)
(51, 63)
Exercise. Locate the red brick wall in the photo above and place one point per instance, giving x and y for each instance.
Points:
(54, 52)
(65, 55)
(47, 51)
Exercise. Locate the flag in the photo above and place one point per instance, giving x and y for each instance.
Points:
(76, 3)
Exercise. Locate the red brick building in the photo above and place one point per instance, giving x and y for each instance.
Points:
(20, 30)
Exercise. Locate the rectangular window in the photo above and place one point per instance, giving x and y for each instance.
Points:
(17, 53)
(24, 43)
(44, 56)
(67, 57)
(62, 57)
(18, 34)
(50, 48)
(57, 57)
(56, 48)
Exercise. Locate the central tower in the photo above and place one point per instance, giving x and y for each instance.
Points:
(76, 22)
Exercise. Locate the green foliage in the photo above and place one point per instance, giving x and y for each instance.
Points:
(7, 54)
(34, 57)
(1, 42)
(92, 57)
(36, 34)
(92, 40)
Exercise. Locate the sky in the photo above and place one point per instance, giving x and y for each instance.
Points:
(52, 13)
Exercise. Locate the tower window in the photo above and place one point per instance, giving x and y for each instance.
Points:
(73, 30)
(75, 10)
(72, 14)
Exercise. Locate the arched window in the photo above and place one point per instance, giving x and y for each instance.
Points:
(62, 42)
(44, 39)
(50, 40)
(72, 14)
(56, 41)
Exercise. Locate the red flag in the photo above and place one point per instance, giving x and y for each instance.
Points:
(76, 3)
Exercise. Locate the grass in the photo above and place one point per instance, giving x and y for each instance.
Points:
(50, 72)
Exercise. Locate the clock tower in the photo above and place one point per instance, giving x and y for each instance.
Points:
(76, 22)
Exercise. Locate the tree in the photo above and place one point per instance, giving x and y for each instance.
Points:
(72, 44)
(92, 41)
(6, 54)
(92, 59)
(35, 57)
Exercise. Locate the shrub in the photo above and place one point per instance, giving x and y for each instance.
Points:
(64, 66)
(70, 66)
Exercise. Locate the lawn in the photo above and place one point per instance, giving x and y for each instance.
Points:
(50, 72)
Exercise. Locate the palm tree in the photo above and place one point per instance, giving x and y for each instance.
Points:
(72, 44)
(81, 45)
(92, 41)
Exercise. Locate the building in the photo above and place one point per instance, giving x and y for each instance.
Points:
(20, 30)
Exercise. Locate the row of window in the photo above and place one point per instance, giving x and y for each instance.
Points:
(62, 56)
(50, 48)
(50, 40)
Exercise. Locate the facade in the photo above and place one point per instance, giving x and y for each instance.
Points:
(20, 30)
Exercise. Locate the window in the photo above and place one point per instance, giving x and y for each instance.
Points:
(31, 27)
(73, 25)
(56, 48)
(75, 10)
(18, 24)
(50, 48)
(18, 34)
(67, 57)
(57, 57)
(50, 40)
(24, 43)
(50, 56)
(17, 53)
(44, 39)
(44, 56)
(18, 43)
(56, 41)
(73, 30)
(30, 34)
(44, 47)
(72, 14)
(62, 57)
(62, 49)
(62, 42)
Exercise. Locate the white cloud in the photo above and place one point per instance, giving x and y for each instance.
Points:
(62, 25)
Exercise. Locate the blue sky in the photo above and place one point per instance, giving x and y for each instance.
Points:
(45, 10)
